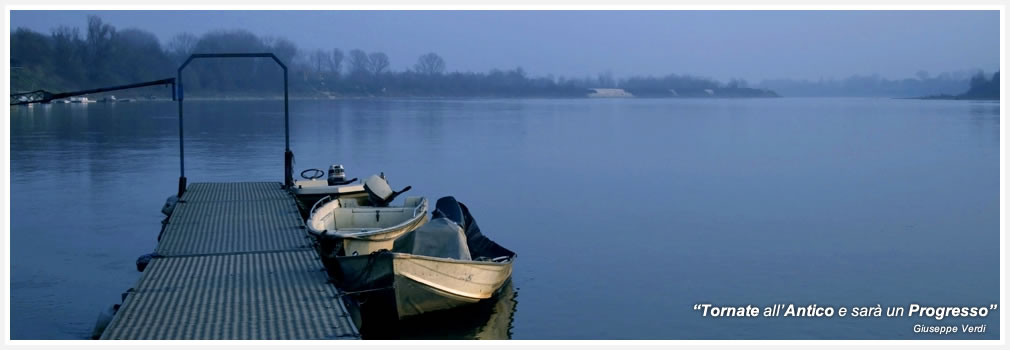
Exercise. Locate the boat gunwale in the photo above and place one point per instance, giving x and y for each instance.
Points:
(449, 260)
(299, 190)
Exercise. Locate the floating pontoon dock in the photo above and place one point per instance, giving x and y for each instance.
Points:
(236, 264)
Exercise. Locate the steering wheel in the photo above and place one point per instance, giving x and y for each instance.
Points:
(315, 174)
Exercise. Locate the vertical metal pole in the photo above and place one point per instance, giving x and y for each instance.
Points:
(182, 163)
(287, 142)
(288, 156)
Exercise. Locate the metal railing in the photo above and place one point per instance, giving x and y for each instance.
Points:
(288, 155)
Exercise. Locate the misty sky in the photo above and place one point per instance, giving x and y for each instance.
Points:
(753, 45)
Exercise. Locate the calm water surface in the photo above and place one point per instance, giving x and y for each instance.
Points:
(624, 213)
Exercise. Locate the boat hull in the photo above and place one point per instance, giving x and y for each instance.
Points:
(423, 284)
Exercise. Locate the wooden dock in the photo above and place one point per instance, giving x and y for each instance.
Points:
(236, 264)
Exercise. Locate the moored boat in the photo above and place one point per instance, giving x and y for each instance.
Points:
(444, 264)
(362, 225)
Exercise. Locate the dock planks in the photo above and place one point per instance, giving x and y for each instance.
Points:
(236, 265)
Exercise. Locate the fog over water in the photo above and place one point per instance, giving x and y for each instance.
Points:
(752, 45)
(624, 212)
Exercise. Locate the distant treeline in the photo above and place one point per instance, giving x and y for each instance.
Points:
(874, 85)
(981, 88)
(67, 59)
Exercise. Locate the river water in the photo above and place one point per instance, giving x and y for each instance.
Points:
(625, 213)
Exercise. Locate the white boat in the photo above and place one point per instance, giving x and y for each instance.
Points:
(362, 225)
(444, 264)
(82, 99)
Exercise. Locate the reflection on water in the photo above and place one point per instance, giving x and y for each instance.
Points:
(490, 319)
(634, 207)
(986, 108)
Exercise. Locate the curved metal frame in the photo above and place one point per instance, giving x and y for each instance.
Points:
(288, 155)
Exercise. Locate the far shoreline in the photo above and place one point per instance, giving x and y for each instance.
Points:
(950, 98)
(133, 99)
(406, 97)
(592, 94)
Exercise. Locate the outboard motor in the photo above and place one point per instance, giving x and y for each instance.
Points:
(449, 208)
(336, 175)
(379, 192)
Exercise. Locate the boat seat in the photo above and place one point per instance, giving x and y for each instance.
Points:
(352, 216)
(348, 202)
(371, 217)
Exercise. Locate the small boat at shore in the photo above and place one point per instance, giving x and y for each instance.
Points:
(444, 264)
(362, 225)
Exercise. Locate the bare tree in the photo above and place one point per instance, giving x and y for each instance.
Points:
(430, 64)
(321, 60)
(99, 33)
(181, 46)
(100, 39)
(285, 49)
(336, 60)
(978, 79)
(377, 62)
(65, 33)
(358, 62)
(606, 79)
(68, 48)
